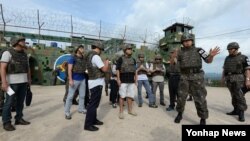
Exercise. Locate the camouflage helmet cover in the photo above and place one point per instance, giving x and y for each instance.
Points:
(140, 55)
(186, 37)
(126, 46)
(158, 56)
(14, 40)
(98, 44)
(233, 45)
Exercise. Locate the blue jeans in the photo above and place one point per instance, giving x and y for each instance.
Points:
(151, 96)
(82, 89)
(20, 93)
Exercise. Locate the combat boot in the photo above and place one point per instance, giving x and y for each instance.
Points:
(241, 116)
(178, 118)
(234, 112)
(203, 121)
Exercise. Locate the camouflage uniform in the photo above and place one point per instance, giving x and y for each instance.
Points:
(234, 68)
(192, 79)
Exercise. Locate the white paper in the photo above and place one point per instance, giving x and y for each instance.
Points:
(10, 91)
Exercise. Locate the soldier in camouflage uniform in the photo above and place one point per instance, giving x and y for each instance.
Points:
(15, 73)
(192, 77)
(235, 65)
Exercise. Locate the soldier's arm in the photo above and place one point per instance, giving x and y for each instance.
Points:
(247, 72)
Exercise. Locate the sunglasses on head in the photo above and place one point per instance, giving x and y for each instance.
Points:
(129, 48)
(157, 59)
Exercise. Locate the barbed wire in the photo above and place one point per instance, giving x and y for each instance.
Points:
(59, 24)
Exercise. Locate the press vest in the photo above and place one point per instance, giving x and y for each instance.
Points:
(18, 62)
(93, 71)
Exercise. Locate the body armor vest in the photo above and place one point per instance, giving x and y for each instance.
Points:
(234, 64)
(80, 64)
(18, 62)
(189, 58)
(174, 68)
(139, 63)
(128, 65)
(93, 71)
(159, 66)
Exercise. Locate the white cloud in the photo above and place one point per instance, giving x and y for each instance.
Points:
(209, 17)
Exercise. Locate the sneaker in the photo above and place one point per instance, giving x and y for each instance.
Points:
(152, 106)
(121, 116)
(132, 113)
(140, 105)
(83, 112)
(114, 105)
(68, 117)
(170, 108)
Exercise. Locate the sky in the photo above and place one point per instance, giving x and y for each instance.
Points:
(209, 18)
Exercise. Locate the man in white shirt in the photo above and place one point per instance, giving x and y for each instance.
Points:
(96, 68)
(15, 75)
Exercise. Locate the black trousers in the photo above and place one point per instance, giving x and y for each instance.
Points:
(94, 102)
(114, 89)
(173, 88)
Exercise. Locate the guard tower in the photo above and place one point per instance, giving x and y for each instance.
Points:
(172, 38)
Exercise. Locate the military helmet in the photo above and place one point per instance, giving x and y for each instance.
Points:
(158, 56)
(77, 48)
(126, 46)
(98, 44)
(151, 61)
(233, 45)
(186, 37)
(140, 55)
(14, 40)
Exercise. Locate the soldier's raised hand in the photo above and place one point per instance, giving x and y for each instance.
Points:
(214, 51)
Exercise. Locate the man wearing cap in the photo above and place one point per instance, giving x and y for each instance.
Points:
(236, 74)
(174, 78)
(96, 68)
(125, 72)
(142, 79)
(15, 75)
(76, 80)
(192, 81)
(158, 71)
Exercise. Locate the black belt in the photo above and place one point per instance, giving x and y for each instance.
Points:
(174, 74)
(192, 70)
(231, 73)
